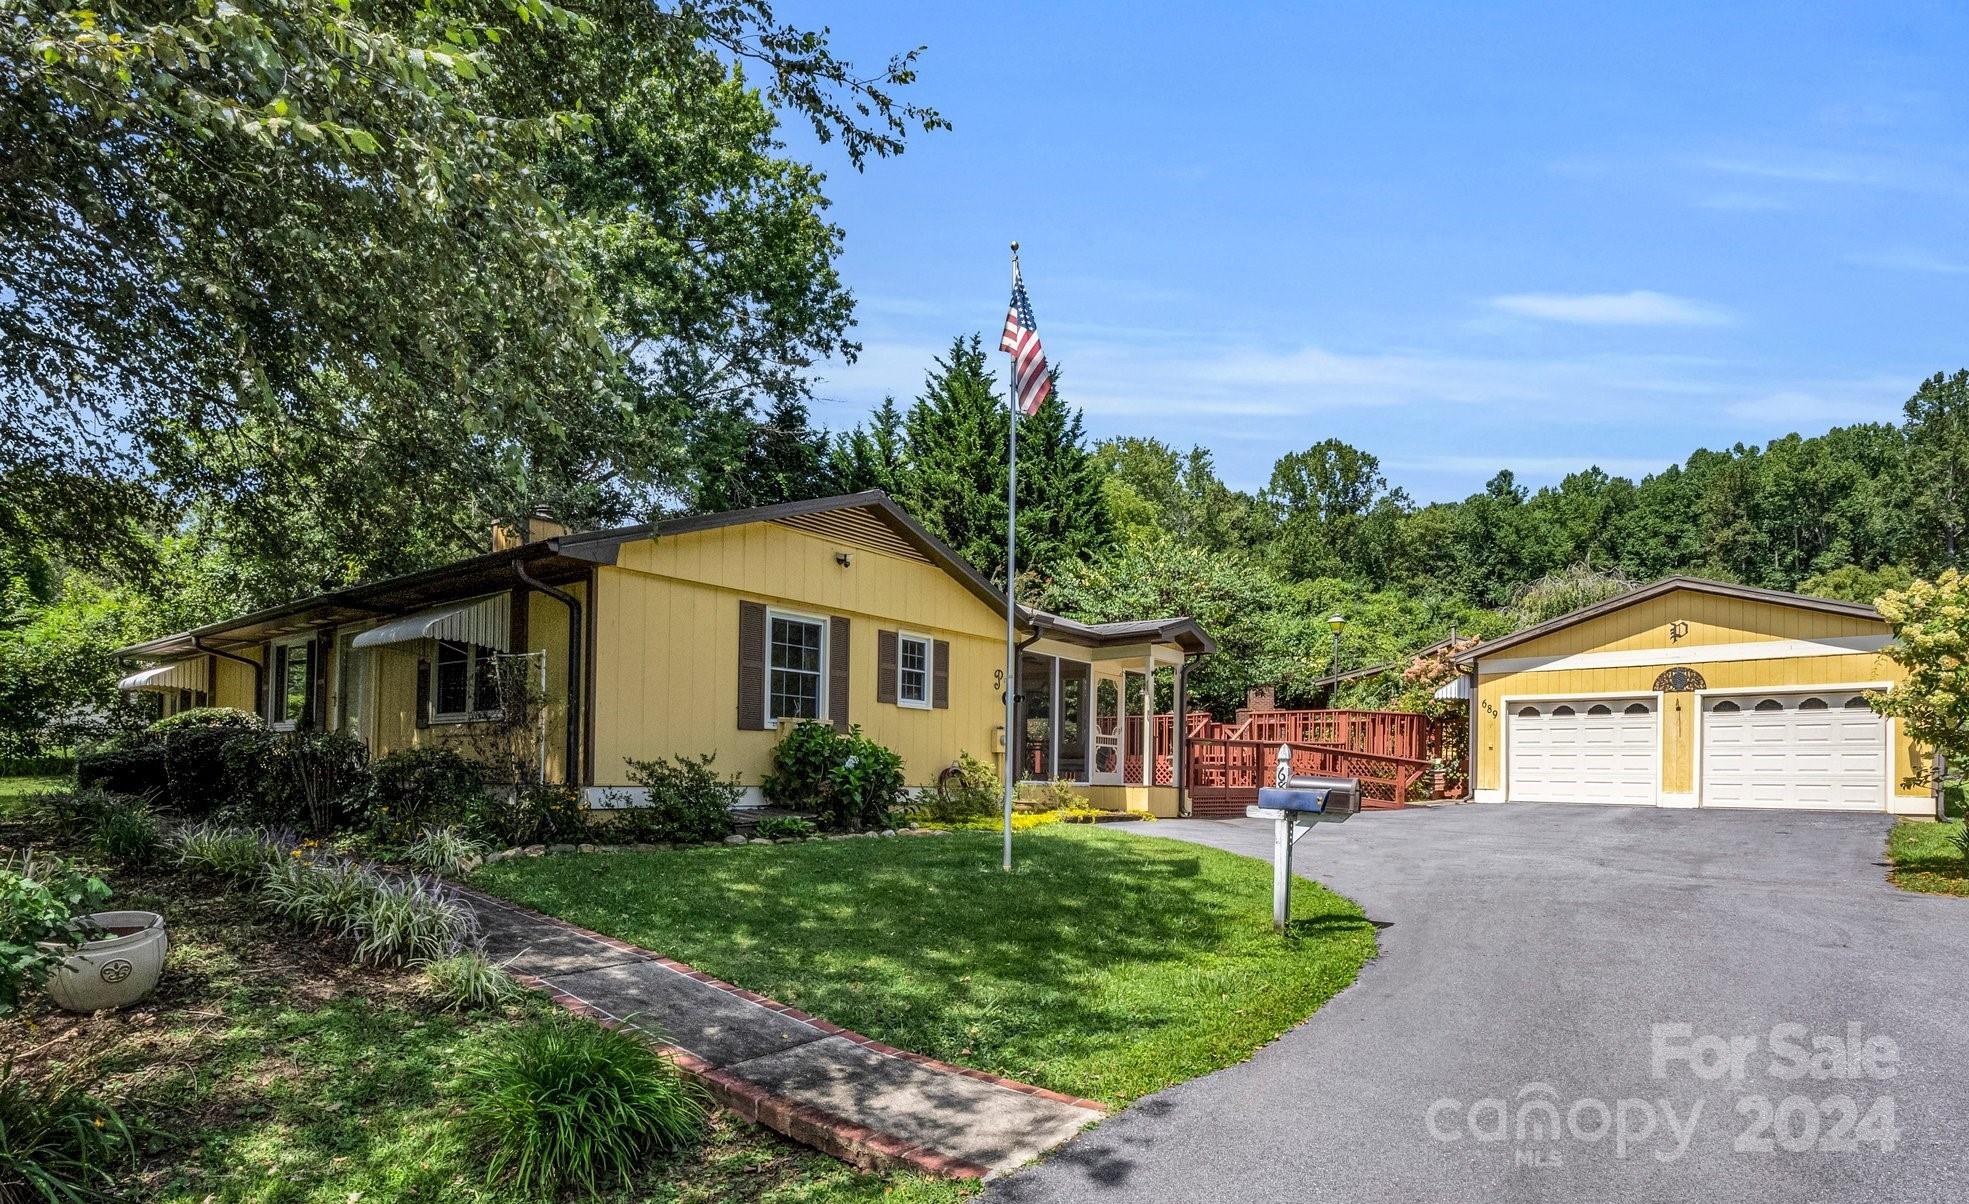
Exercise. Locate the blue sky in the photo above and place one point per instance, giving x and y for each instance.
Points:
(1463, 237)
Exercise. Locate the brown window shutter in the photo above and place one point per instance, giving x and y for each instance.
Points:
(885, 666)
(751, 666)
(423, 692)
(277, 684)
(940, 675)
(837, 672)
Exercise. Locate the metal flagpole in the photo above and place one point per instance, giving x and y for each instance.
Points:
(1011, 585)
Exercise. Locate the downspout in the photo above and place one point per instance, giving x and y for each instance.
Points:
(573, 754)
(259, 673)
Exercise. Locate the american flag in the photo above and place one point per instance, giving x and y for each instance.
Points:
(1030, 381)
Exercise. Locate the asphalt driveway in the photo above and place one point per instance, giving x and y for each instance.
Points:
(1577, 1004)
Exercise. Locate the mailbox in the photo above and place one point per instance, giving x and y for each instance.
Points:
(1314, 796)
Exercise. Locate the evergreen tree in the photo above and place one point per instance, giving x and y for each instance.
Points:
(955, 438)
(741, 459)
(872, 456)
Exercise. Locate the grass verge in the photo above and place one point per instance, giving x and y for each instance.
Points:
(1106, 965)
(13, 790)
(1926, 858)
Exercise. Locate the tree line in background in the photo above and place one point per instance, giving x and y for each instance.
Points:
(296, 297)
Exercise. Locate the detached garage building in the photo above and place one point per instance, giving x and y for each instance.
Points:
(1693, 693)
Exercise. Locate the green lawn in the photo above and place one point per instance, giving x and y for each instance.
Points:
(12, 790)
(1926, 858)
(1106, 966)
(267, 1069)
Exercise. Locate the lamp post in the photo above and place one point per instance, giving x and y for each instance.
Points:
(1335, 624)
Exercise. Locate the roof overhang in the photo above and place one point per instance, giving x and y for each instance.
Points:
(1722, 589)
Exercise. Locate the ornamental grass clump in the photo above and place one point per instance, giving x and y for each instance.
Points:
(127, 829)
(466, 981)
(322, 895)
(443, 850)
(238, 855)
(58, 1143)
(563, 1103)
(409, 920)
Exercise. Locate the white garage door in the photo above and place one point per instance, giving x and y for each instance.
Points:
(1586, 750)
(1824, 751)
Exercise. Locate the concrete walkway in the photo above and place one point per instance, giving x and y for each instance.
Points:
(816, 1082)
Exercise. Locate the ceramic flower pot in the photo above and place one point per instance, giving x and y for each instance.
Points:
(116, 970)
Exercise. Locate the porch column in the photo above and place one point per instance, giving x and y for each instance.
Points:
(1148, 722)
(1179, 742)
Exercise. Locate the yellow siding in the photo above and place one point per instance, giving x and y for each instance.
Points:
(667, 629)
(235, 682)
(1159, 801)
(1711, 620)
(390, 709)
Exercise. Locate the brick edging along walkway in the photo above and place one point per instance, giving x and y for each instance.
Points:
(832, 1134)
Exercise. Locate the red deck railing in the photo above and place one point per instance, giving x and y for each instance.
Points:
(1225, 775)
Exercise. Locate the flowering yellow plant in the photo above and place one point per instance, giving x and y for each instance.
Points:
(1931, 629)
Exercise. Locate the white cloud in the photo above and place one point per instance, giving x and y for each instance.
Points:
(1909, 259)
(1640, 307)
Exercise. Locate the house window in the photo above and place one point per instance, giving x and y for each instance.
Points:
(465, 682)
(292, 672)
(913, 671)
(796, 666)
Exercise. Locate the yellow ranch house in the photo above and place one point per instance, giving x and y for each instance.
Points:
(710, 634)
(1693, 693)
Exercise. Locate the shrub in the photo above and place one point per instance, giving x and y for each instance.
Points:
(1055, 795)
(238, 855)
(542, 813)
(127, 830)
(847, 780)
(127, 764)
(782, 827)
(687, 802)
(416, 788)
(561, 1102)
(467, 980)
(194, 745)
(58, 1143)
(966, 790)
(40, 902)
(409, 920)
(317, 779)
(69, 812)
(442, 850)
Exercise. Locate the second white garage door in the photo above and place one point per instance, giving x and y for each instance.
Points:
(1586, 750)
(1825, 751)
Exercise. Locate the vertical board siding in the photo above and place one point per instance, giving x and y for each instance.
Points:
(667, 620)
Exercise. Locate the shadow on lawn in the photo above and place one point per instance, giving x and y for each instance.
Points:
(1062, 970)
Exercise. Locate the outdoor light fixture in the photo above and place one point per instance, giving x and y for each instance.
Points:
(844, 559)
(1338, 624)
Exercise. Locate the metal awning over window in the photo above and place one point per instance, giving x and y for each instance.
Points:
(486, 622)
(178, 675)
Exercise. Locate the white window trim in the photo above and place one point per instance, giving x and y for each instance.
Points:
(279, 690)
(826, 653)
(929, 671)
(472, 662)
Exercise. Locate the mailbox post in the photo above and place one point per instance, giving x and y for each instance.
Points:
(1290, 802)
